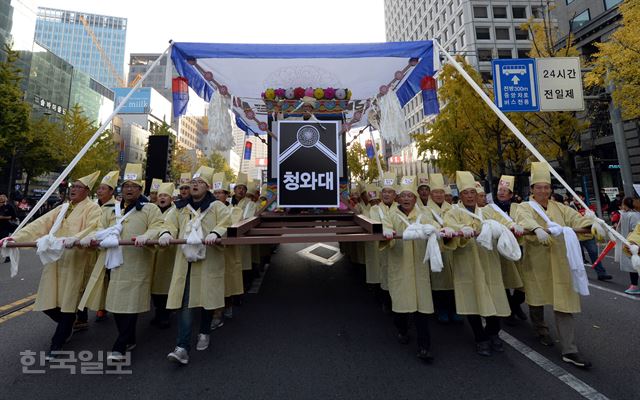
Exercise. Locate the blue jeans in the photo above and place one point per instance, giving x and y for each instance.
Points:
(186, 316)
(592, 249)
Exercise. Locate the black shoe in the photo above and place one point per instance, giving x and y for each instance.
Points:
(7, 259)
(576, 359)
(497, 344)
(403, 339)
(483, 348)
(511, 320)
(605, 277)
(425, 356)
(545, 340)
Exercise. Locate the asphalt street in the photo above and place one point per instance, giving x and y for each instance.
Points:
(315, 331)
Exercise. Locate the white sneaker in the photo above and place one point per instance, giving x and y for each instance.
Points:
(116, 356)
(217, 323)
(179, 355)
(203, 341)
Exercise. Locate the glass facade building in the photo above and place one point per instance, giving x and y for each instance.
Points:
(63, 32)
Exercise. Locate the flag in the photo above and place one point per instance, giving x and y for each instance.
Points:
(429, 87)
(180, 91)
(370, 150)
(247, 150)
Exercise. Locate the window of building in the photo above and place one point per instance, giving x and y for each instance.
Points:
(462, 39)
(504, 53)
(499, 12)
(521, 34)
(485, 54)
(537, 11)
(570, 1)
(519, 12)
(486, 76)
(611, 3)
(459, 19)
(502, 33)
(580, 20)
(482, 33)
(480, 12)
(523, 53)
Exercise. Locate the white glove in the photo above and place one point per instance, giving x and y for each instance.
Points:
(388, 233)
(110, 242)
(517, 229)
(141, 240)
(448, 232)
(4, 241)
(543, 236)
(588, 214)
(69, 242)
(467, 232)
(211, 239)
(165, 239)
(86, 241)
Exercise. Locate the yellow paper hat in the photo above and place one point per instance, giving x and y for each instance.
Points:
(373, 191)
(205, 173)
(166, 188)
(185, 179)
(408, 184)
(464, 180)
(480, 188)
(242, 179)
(437, 182)
(308, 100)
(155, 185)
(90, 179)
(447, 190)
(219, 182)
(111, 179)
(540, 173)
(176, 192)
(133, 173)
(423, 180)
(507, 182)
(388, 181)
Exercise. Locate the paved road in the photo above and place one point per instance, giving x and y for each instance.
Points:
(315, 331)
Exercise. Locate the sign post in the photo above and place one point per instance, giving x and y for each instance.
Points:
(308, 164)
(515, 86)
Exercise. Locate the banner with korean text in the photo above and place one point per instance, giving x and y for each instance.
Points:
(308, 164)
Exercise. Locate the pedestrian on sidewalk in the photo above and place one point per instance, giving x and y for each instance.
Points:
(629, 218)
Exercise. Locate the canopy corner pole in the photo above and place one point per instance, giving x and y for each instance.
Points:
(89, 143)
(519, 134)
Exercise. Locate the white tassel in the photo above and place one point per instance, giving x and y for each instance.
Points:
(392, 126)
(220, 130)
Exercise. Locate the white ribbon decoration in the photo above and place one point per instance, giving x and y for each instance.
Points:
(194, 250)
(48, 247)
(220, 135)
(392, 120)
(110, 240)
(574, 253)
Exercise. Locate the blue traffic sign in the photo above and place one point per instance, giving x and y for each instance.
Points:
(515, 85)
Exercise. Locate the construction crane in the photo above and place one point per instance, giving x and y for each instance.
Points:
(103, 54)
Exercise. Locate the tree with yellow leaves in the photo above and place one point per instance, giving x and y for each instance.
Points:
(618, 62)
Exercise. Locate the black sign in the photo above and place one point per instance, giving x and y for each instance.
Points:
(308, 164)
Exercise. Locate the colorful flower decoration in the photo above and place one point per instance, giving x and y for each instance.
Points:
(318, 93)
(308, 92)
(298, 93)
(263, 126)
(341, 94)
(280, 93)
(269, 94)
(289, 94)
(329, 93)
(348, 94)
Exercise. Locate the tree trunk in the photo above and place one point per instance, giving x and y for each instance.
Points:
(27, 180)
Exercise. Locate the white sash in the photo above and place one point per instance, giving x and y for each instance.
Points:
(574, 253)
(417, 231)
(491, 230)
(194, 250)
(501, 212)
(50, 248)
(436, 216)
(110, 239)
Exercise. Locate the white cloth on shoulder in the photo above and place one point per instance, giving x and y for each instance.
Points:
(418, 231)
(195, 250)
(507, 244)
(13, 254)
(109, 239)
(574, 252)
(50, 248)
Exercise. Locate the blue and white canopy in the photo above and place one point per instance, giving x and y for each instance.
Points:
(248, 69)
